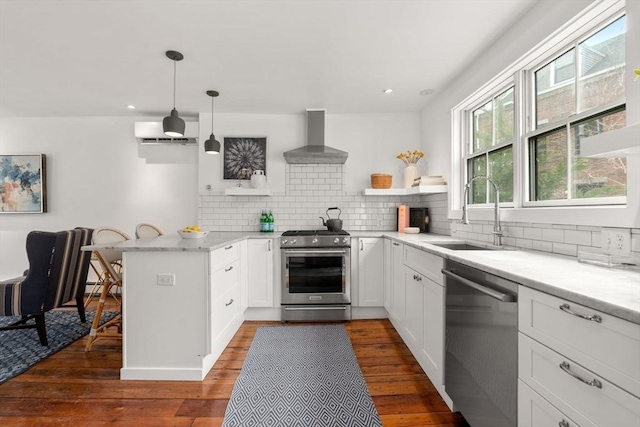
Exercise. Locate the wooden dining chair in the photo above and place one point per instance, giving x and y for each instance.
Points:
(146, 231)
(111, 262)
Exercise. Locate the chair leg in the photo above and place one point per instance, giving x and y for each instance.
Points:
(80, 305)
(95, 325)
(42, 329)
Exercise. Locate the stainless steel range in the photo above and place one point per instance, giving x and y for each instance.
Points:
(316, 279)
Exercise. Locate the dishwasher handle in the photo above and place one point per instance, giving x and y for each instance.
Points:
(500, 296)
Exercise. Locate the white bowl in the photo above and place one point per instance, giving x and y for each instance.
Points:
(412, 230)
(192, 234)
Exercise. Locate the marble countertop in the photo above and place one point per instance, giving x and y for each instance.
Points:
(611, 290)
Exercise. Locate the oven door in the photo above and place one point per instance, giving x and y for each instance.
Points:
(316, 276)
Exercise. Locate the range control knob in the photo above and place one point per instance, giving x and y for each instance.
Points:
(336, 240)
(345, 239)
(293, 241)
(284, 241)
(314, 241)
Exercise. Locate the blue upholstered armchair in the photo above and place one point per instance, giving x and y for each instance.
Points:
(57, 275)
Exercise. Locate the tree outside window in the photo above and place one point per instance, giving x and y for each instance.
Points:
(557, 172)
(491, 151)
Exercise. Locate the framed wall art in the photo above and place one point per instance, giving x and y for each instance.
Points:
(23, 186)
(243, 155)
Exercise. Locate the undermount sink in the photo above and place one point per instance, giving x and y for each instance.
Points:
(455, 246)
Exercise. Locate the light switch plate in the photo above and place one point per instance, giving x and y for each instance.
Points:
(166, 279)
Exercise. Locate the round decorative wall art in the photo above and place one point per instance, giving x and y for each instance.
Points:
(243, 155)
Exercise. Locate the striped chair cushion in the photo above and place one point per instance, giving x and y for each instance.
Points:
(69, 267)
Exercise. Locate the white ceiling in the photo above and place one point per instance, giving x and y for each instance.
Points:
(93, 57)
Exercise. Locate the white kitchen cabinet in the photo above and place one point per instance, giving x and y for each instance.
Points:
(535, 411)
(432, 351)
(226, 291)
(398, 299)
(425, 269)
(414, 321)
(370, 272)
(388, 274)
(581, 361)
(260, 272)
(177, 332)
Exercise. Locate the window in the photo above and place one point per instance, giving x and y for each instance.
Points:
(568, 109)
(524, 129)
(491, 150)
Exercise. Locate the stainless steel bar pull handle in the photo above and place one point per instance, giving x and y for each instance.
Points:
(563, 423)
(594, 317)
(500, 296)
(228, 247)
(567, 368)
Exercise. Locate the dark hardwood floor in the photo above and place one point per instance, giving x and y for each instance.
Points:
(78, 388)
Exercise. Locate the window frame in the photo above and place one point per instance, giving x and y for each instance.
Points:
(617, 211)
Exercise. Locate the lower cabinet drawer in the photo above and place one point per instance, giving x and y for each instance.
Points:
(535, 411)
(600, 342)
(225, 277)
(584, 396)
(224, 309)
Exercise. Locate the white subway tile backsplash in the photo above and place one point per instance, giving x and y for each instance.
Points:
(311, 189)
(565, 249)
(532, 233)
(553, 235)
(578, 237)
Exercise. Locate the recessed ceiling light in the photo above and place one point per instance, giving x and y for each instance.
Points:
(426, 92)
(131, 107)
(387, 90)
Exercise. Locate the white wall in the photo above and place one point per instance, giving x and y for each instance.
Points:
(97, 175)
(372, 141)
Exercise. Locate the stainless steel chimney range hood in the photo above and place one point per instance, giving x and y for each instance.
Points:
(315, 152)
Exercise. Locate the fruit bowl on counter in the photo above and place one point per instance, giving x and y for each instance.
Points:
(192, 232)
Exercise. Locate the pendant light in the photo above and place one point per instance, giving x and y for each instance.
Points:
(211, 145)
(173, 125)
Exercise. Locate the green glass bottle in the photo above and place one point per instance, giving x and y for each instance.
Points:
(263, 221)
(271, 222)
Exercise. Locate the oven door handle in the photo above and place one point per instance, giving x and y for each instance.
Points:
(480, 288)
(315, 252)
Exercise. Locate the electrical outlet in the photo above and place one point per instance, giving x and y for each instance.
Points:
(165, 279)
(616, 241)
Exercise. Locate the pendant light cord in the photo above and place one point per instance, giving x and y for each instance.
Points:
(212, 98)
(174, 84)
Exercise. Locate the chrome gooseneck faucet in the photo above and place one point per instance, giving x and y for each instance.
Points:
(497, 229)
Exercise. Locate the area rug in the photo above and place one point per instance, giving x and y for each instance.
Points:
(20, 349)
(303, 375)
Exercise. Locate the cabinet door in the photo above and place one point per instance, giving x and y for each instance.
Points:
(388, 272)
(371, 272)
(413, 324)
(260, 272)
(433, 332)
(397, 284)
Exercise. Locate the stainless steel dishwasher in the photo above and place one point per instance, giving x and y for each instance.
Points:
(481, 349)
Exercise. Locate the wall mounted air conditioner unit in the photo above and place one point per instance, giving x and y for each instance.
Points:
(150, 133)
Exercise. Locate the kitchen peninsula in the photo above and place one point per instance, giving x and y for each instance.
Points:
(183, 299)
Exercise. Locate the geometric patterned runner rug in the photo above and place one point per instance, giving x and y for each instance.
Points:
(301, 375)
(20, 349)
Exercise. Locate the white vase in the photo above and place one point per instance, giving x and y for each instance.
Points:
(258, 179)
(410, 173)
